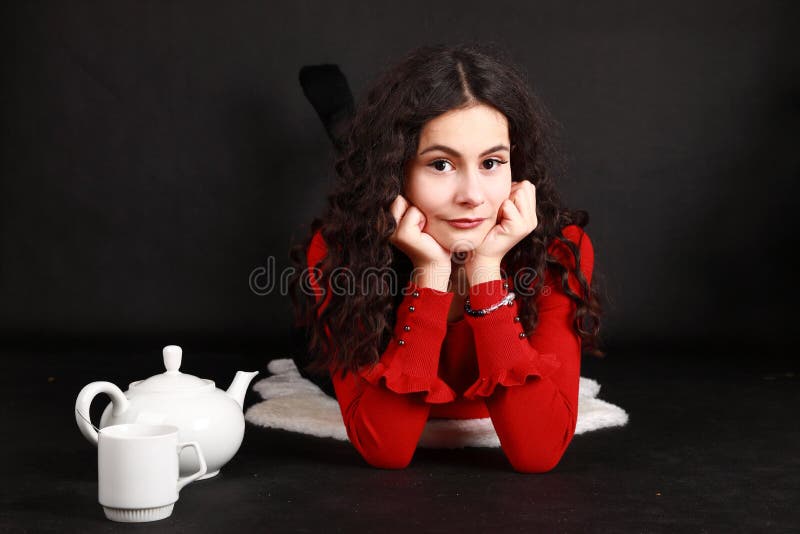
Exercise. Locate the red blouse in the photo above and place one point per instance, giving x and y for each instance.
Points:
(472, 368)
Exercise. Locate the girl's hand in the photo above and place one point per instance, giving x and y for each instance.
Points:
(515, 220)
(420, 247)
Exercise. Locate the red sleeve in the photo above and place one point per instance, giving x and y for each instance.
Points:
(540, 374)
(385, 406)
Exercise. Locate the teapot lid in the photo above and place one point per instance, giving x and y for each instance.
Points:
(172, 380)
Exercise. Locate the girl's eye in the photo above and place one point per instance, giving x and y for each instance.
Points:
(438, 163)
(496, 163)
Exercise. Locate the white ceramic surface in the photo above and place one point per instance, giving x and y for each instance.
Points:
(202, 412)
(137, 471)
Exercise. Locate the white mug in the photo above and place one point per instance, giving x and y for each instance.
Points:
(138, 471)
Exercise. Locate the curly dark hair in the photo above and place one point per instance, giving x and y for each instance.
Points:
(383, 135)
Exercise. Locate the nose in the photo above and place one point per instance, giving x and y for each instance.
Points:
(469, 191)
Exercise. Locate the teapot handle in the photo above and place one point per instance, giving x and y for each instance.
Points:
(83, 403)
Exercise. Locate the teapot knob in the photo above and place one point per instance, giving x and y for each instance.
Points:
(172, 358)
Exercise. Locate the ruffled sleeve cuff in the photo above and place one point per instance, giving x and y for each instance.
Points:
(505, 355)
(411, 362)
(515, 374)
(396, 379)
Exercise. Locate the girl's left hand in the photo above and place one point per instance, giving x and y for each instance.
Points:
(516, 218)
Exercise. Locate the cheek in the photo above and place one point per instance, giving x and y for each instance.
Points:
(414, 190)
(499, 195)
(427, 197)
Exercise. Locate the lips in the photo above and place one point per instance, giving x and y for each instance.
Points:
(465, 223)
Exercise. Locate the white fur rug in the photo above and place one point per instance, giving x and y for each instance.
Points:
(294, 403)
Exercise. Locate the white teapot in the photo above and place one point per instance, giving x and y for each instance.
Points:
(202, 412)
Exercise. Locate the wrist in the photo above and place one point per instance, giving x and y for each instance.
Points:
(433, 275)
(483, 271)
(485, 294)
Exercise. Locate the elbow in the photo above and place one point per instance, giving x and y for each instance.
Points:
(381, 451)
(534, 462)
(383, 459)
(540, 457)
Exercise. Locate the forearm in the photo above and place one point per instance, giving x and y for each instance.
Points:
(385, 406)
(530, 383)
(505, 353)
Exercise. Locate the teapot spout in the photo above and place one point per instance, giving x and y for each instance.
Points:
(238, 387)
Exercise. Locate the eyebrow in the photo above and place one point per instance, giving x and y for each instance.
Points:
(456, 154)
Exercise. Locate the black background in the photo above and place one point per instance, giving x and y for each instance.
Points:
(156, 153)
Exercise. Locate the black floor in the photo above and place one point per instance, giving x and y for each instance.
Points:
(710, 447)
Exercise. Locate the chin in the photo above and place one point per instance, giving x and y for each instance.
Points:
(466, 241)
(458, 241)
(462, 245)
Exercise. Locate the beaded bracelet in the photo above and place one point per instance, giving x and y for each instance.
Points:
(506, 301)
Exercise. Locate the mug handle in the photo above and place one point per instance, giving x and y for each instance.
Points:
(182, 481)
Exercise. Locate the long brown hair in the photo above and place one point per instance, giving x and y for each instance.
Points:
(356, 326)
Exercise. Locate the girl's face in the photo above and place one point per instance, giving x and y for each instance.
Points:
(461, 171)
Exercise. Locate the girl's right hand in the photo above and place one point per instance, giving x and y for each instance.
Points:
(421, 248)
